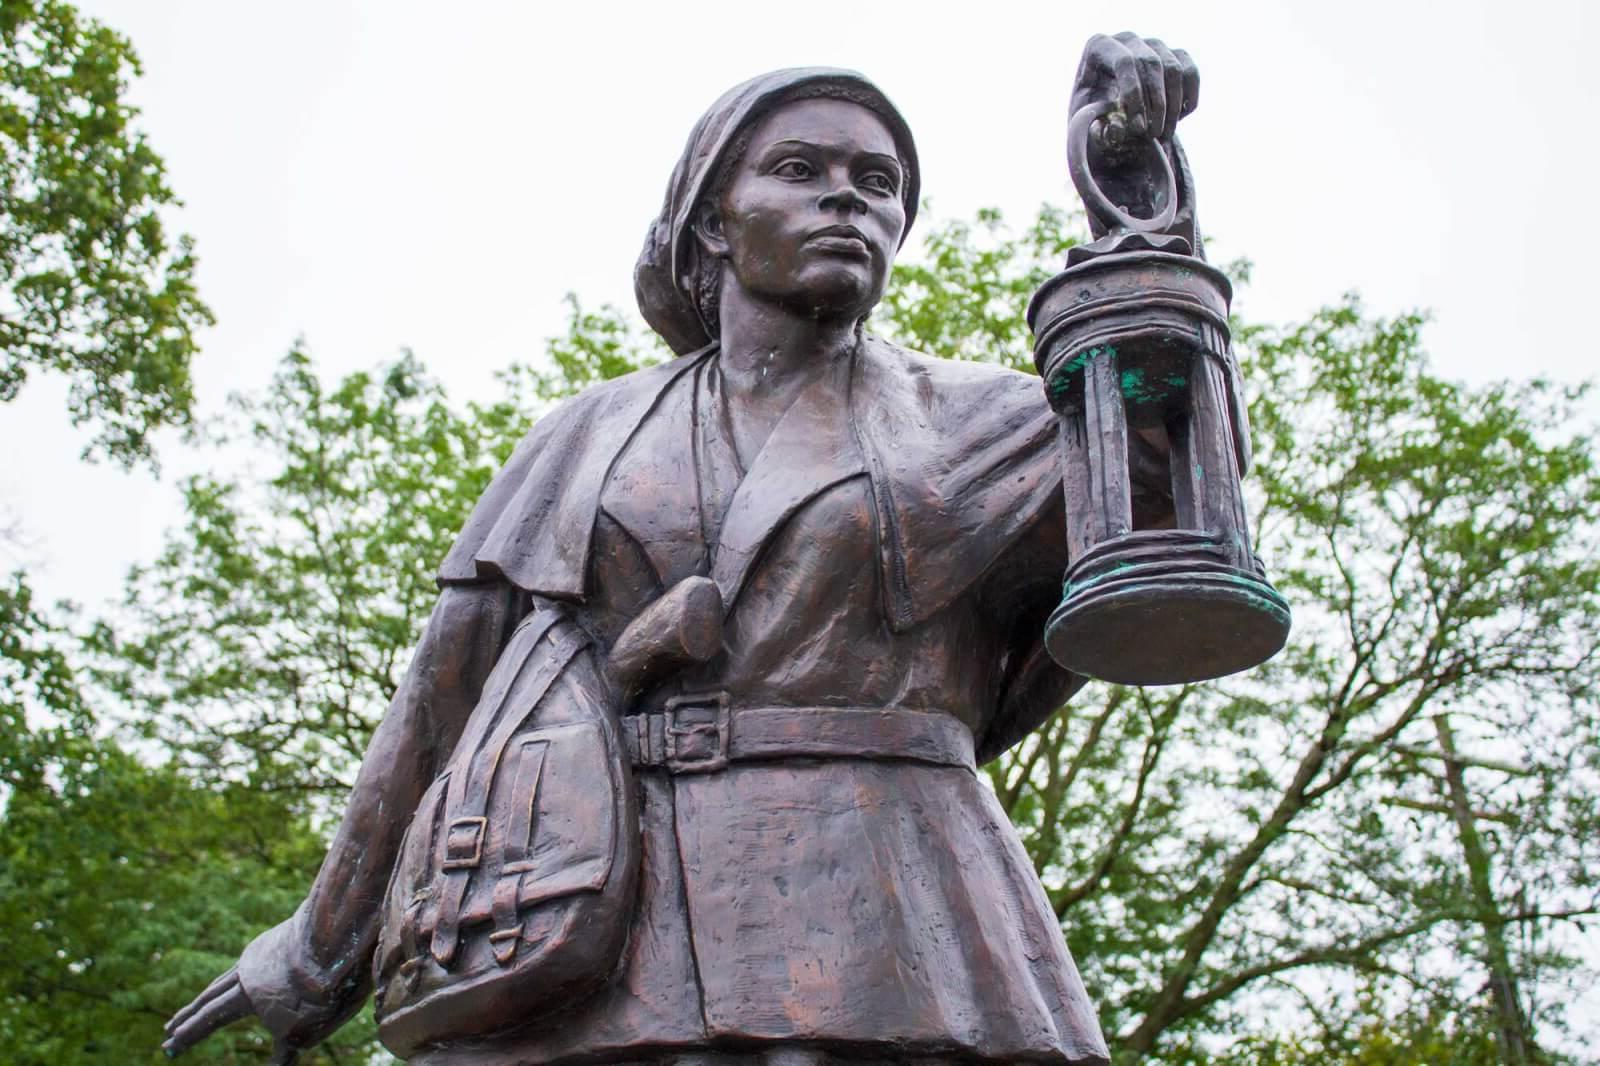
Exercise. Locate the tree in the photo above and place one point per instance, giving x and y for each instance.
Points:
(1212, 849)
(1278, 852)
(1378, 1035)
(108, 916)
(281, 618)
(965, 296)
(91, 285)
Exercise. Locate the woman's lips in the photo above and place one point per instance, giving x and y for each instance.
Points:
(843, 239)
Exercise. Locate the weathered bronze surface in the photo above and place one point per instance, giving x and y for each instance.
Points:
(685, 763)
(1132, 341)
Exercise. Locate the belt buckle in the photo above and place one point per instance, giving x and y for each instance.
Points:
(690, 758)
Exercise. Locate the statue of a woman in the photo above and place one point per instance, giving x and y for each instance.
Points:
(692, 734)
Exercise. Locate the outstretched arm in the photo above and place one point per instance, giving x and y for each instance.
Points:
(305, 977)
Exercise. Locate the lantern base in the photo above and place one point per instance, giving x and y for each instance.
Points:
(1165, 608)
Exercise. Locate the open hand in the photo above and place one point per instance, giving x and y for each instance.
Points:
(222, 1003)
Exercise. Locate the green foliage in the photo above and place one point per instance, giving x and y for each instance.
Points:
(263, 642)
(35, 672)
(109, 917)
(112, 918)
(1268, 869)
(266, 639)
(1425, 1036)
(960, 298)
(91, 285)
(1220, 851)
(598, 345)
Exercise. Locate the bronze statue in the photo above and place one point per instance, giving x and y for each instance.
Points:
(684, 768)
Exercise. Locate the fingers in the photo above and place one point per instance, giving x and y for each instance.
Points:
(1127, 87)
(1094, 69)
(1191, 81)
(211, 992)
(1150, 85)
(1172, 82)
(216, 1012)
(1150, 118)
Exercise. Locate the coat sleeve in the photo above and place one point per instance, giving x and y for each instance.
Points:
(1017, 594)
(528, 537)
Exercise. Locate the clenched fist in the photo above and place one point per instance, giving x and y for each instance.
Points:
(1144, 87)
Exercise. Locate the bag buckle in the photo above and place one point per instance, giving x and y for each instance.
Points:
(697, 747)
(463, 843)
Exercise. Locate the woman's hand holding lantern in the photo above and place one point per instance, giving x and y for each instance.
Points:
(1147, 86)
(1122, 149)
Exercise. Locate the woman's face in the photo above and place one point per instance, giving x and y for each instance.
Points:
(812, 214)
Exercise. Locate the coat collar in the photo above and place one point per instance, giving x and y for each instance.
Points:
(811, 449)
(650, 489)
(534, 525)
(961, 458)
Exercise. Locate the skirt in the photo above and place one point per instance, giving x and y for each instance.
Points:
(809, 911)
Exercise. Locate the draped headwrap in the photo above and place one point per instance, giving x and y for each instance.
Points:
(665, 279)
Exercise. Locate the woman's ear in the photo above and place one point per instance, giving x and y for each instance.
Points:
(707, 228)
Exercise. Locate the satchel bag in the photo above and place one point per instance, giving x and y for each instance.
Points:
(513, 890)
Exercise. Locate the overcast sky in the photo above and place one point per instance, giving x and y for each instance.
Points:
(373, 176)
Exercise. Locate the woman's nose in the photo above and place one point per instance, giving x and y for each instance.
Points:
(843, 197)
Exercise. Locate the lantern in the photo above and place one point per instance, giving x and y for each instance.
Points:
(1133, 336)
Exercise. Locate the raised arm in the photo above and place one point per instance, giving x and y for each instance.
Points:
(304, 977)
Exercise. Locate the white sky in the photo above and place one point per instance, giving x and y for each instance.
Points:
(381, 175)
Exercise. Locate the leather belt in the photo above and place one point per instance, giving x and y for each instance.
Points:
(697, 734)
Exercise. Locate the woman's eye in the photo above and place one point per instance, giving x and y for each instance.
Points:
(793, 168)
(880, 183)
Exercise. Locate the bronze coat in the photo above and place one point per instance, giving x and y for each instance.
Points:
(866, 904)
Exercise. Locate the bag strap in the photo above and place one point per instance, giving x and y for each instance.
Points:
(461, 849)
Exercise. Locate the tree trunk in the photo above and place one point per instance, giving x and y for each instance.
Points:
(1516, 1043)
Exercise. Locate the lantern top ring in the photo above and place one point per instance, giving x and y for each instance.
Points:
(1083, 178)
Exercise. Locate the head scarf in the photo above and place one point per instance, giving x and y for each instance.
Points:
(664, 279)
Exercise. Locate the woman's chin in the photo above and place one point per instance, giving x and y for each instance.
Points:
(843, 299)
